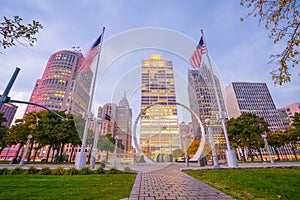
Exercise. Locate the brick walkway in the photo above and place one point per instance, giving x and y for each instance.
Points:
(171, 183)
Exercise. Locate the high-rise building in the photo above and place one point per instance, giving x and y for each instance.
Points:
(291, 110)
(9, 110)
(56, 89)
(203, 102)
(252, 98)
(159, 124)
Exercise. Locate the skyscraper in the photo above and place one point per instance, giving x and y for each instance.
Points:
(9, 110)
(253, 98)
(159, 124)
(203, 102)
(56, 88)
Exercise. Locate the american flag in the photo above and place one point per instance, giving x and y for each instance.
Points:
(195, 59)
(90, 56)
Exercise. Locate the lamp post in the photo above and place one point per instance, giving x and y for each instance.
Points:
(95, 145)
(264, 136)
(25, 151)
(115, 151)
(186, 159)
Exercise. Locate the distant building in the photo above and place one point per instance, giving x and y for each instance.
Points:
(284, 117)
(203, 102)
(292, 109)
(9, 110)
(252, 98)
(159, 124)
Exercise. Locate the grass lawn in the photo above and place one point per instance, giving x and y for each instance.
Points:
(268, 183)
(102, 186)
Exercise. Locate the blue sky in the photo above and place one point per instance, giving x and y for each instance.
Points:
(240, 50)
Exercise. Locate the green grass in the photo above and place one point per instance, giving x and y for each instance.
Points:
(104, 186)
(268, 183)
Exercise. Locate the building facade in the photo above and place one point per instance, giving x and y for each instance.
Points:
(9, 110)
(291, 110)
(203, 102)
(253, 98)
(58, 88)
(159, 124)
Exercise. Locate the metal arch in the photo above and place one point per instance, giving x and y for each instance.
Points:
(203, 135)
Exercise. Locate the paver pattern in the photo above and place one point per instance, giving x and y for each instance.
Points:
(171, 183)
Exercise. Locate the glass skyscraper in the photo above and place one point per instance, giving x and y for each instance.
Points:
(159, 124)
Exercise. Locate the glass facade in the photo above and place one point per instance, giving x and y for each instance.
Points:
(159, 123)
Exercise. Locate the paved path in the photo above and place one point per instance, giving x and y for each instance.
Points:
(171, 183)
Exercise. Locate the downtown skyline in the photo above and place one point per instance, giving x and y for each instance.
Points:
(239, 49)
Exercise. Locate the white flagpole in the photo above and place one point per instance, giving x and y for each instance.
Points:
(230, 155)
(81, 158)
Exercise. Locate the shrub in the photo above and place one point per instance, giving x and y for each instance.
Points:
(100, 170)
(59, 170)
(32, 170)
(4, 171)
(128, 169)
(45, 171)
(113, 171)
(17, 170)
(71, 171)
(86, 171)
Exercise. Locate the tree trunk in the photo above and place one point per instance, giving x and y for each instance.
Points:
(250, 152)
(35, 152)
(260, 155)
(19, 149)
(48, 152)
(31, 146)
(106, 156)
(243, 154)
(52, 154)
(277, 153)
(72, 151)
(57, 154)
(61, 152)
(294, 150)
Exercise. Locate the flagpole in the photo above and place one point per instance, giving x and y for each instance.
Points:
(81, 158)
(230, 155)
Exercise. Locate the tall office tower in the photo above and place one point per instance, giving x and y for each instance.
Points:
(123, 123)
(56, 89)
(253, 98)
(107, 126)
(203, 102)
(292, 109)
(159, 124)
(9, 110)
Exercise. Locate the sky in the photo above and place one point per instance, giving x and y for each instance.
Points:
(240, 50)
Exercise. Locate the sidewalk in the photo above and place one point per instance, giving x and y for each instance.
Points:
(171, 183)
(166, 181)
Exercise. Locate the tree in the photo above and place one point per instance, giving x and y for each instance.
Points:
(3, 131)
(276, 140)
(282, 19)
(192, 149)
(12, 31)
(106, 143)
(247, 130)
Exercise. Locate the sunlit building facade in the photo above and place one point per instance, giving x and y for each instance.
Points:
(252, 98)
(159, 124)
(203, 101)
(56, 89)
(291, 110)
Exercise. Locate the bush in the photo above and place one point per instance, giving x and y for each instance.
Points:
(59, 170)
(86, 171)
(71, 171)
(45, 171)
(17, 170)
(100, 170)
(32, 170)
(113, 171)
(128, 169)
(4, 171)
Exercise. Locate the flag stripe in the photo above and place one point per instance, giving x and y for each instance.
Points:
(196, 57)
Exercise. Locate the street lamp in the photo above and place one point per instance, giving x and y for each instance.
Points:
(25, 151)
(115, 151)
(264, 136)
(95, 145)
